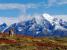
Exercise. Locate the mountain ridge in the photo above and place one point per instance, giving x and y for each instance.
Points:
(48, 26)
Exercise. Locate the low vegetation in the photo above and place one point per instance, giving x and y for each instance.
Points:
(21, 42)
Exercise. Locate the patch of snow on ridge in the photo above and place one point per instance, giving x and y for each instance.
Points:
(55, 20)
(63, 17)
(39, 19)
(48, 17)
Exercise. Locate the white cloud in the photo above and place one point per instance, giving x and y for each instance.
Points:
(61, 3)
(25, 7)
(11, 20)
(31, 5)
(56, 2)
(16, 6)
(22, 7)
(8, 21)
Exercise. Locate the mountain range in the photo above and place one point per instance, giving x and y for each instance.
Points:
(44, 25)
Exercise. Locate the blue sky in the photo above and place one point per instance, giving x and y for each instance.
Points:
(29, 7)
(22, 1)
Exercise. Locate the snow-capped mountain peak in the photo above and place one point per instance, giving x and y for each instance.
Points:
(48, 17)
